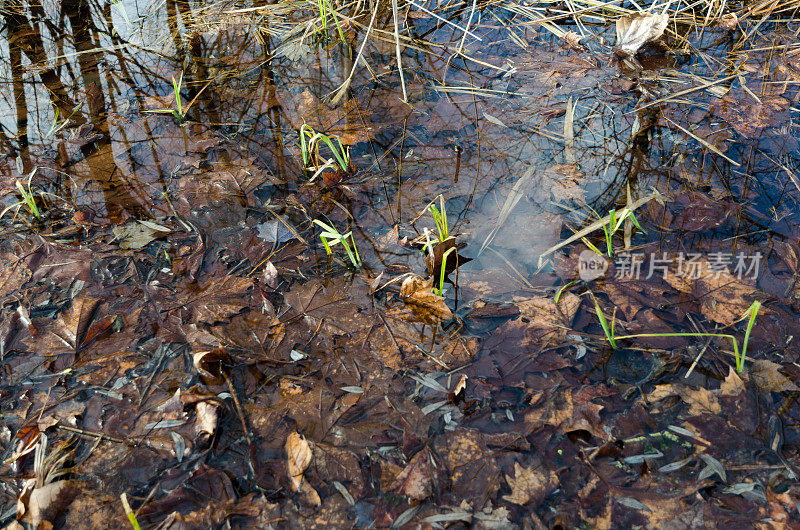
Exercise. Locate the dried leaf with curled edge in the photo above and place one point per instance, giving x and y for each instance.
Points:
(207, 417)
(41, 505)
(530, 485)
(419, 292)
(637, 29)
(298, 457)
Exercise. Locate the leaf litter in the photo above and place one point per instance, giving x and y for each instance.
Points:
(218, 368)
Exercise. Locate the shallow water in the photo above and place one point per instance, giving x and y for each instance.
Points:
(86, 103)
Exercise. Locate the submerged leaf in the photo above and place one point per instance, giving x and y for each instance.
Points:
(767, 376)
(419, 292)
(298, 457)
(133, 236)
(416, 480)
(530, 485)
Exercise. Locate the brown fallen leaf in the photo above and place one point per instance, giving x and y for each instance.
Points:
(210, 365)
(700, 401)
(38, 506)
(723, 297)
(308, 495)
(564, 411)
(418, 292)
(469, 463)
(731, 385)
(298, 457)
(139, 234)
(416, 480)
(767, 376)
(530, 485)
(542, 322)
(207, 417)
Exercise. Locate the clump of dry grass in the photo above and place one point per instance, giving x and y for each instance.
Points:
(290, 27)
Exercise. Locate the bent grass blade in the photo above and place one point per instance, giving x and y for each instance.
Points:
(739, 356)
(331, 237)
(309, 140)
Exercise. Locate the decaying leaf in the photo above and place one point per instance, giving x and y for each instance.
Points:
(723, 297)
(210, 365)
(416, 480)
(298, 457)
(419, 292)
(530, 485)
(700, 401)
(566, 412)
(139, 234)
(767, 376)
(38, 505)
(637, 29)
(207, 417)
(731, 385)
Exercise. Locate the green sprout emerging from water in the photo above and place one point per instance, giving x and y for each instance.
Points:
(179, 113)
(441, 219)
(309, 145)
(443, 234)
(56, 126)
(326, 7)
(613, 226)
(330, 237)
(28, 199)
(443, 268)
(751, 312)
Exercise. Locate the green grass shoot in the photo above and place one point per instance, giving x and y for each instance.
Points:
(28, 199)
(615, 223)
(56, 126)
(179, 113)
(129, 512)
(443, 268)
(739, 357)
(561, 290)
(330, 237)
(176, 87)
(309, 147)
(326, 7)
(440, 216)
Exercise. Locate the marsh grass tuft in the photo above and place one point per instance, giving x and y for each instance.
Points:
(330, 237)
(28, 198)
(439, 250)
(751, 312)
(326, 7)
(56, 126)
(614, 224)
(440, 217)
(309, 148)
(179, 113)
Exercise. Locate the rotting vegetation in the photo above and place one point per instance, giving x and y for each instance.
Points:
(326, 264)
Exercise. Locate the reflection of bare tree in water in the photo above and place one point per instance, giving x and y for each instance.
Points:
(25, 38)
